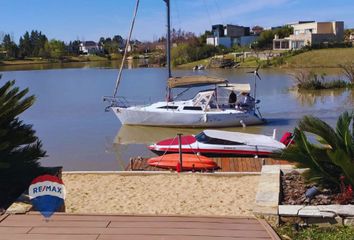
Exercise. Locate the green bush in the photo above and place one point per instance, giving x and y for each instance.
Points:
(186, 52)
(20, 149)
(330, 158)
(308, 80)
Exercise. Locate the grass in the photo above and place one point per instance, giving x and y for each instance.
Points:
(316, 233)
(27, 61)
(191, 65)
(319, 58)
(328, 58)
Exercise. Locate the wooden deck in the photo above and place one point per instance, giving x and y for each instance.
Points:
(32, 226)
(225, 164)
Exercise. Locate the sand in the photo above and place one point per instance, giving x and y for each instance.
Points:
(186, 194)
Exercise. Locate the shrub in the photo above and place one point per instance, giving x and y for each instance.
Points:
(328, 159)
(308, 80)
(348, 71)
(20, 149)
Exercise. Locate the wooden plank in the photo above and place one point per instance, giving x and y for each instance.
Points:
(9, 236)
(53, 223)
(259, 164)
(167, 237)
(242, 165)
(186, 225)
(232, 164)
(129, 218)
(256, 165)
(4, 230)
(2, 217)
(269, 230)
(226, 165)
(155, 231)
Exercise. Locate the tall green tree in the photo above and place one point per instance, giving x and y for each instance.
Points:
(20, 149)
(330, 158)
(9, 46)
(38, 41)
(74, 48)
(25, 45)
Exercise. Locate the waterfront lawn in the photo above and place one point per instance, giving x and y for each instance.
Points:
(330, 57)
(314, 233)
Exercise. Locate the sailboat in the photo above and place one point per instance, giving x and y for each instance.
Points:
(204, 110)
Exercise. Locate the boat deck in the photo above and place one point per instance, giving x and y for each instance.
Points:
(104, 227)
(225, 164)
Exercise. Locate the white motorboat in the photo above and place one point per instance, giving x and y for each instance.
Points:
(205, 110)
(223, 143)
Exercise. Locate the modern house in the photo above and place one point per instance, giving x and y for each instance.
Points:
(229, 35)
(90, 47)
(310, 33)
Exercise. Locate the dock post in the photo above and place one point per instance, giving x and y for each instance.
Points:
(180, 150)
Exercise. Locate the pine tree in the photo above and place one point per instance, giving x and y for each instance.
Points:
(20, 149)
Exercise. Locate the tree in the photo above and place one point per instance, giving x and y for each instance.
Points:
(265, 40)
(74, 48)
(25, 45)
(329, 159)
(38, 41)
(20, 149)
(55, 48)
(10, 47)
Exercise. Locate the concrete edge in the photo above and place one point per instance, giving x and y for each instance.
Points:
(149, 173)
(268, 193)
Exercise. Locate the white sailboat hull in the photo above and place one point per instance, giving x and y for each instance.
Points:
(174, 118)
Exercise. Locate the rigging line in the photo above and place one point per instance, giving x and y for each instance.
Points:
(127, 43)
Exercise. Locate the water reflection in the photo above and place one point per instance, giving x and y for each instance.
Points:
(314, 97)
(148, 135)
(129, 64)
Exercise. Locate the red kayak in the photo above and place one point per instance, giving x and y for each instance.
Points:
(189, 162)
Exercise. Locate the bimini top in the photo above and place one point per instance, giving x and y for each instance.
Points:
(197, 80)
(237, 87)
(244, 138)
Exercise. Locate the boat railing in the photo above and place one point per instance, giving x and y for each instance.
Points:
(123, 102)
(116, 102)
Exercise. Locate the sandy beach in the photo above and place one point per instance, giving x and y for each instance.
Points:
(163, 194)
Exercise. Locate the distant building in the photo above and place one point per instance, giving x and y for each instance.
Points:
(351, 37)
(257, 30)
(309, 33)
(90, 47)
(229, 35)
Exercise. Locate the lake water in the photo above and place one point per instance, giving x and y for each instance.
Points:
(78, 134)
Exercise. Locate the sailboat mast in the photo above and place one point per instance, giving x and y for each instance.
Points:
(168, 39)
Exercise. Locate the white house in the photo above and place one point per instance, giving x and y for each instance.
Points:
(309, 33)
(90, 47)
(230, 35)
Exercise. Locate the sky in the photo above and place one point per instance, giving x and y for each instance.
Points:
(91, 19)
